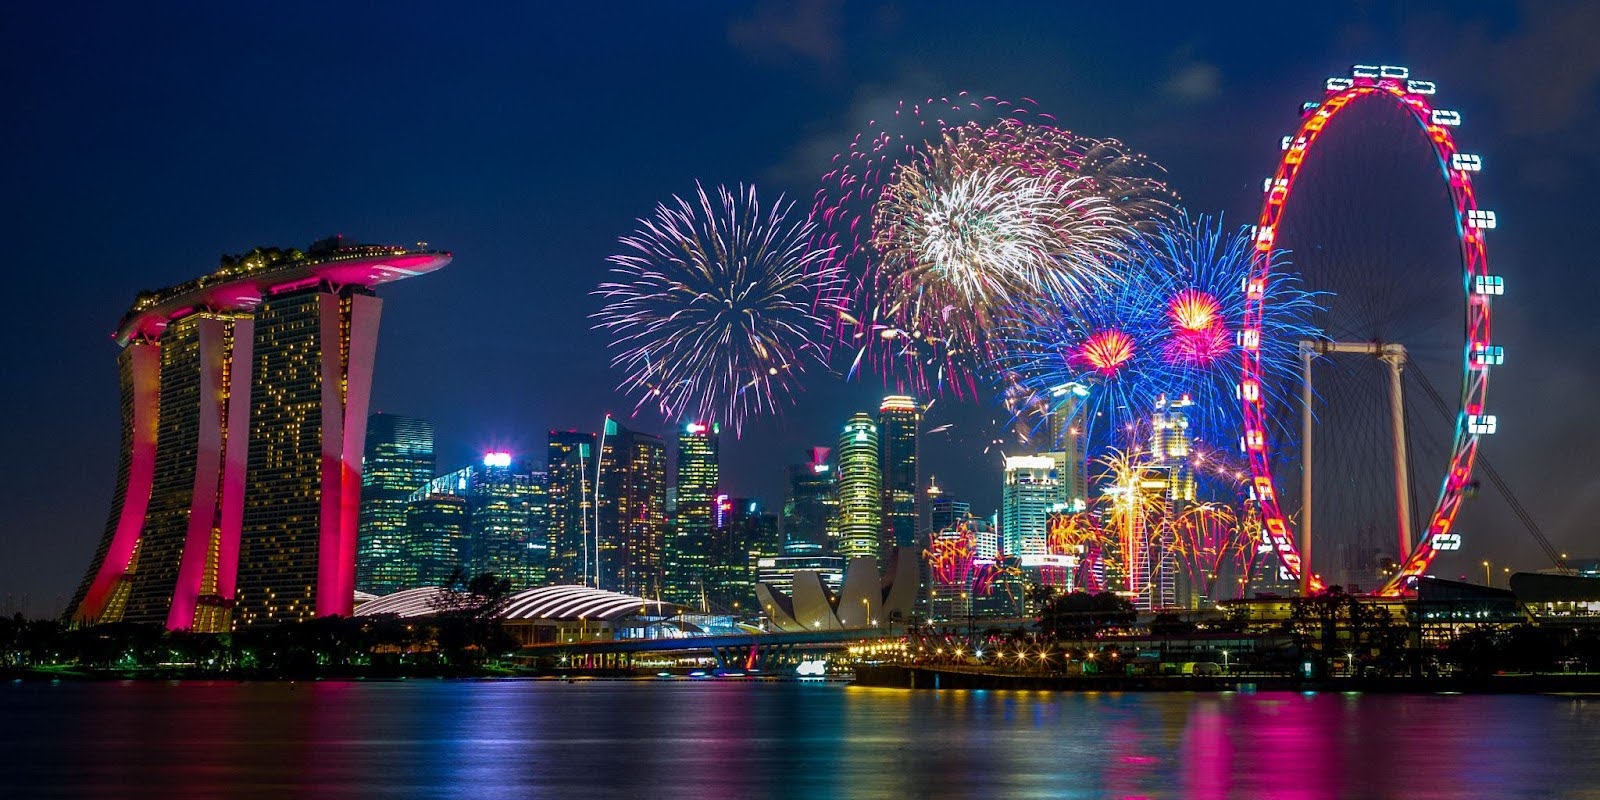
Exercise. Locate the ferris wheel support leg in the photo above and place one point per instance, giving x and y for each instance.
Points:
(1307, 352)
(1395, 356)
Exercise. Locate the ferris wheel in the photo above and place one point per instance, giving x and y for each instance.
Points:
(1469, 352)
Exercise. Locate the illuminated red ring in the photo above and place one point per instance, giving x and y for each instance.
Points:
(1412, 96)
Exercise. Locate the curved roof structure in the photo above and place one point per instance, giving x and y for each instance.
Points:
(580, 602)
(242, 287)
(364, 597)
(405, 603)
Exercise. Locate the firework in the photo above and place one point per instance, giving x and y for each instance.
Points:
(1170, 329)
(950, 214)
(716, 306)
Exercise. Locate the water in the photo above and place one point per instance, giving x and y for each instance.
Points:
(595, 739)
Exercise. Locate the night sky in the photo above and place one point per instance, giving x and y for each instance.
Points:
(140, 144)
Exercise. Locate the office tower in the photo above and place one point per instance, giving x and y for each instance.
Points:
(539, 528)
(744, 533)
(899, 419)
(1064, 443)
(810, 513)
(1170, 445)
(631, 537)
(398, 459)
(501, 496)
(570, 462)
(860, 488)
(696, 484)
(947, 511)
(244, 407)
(438, 543)
(1170, 458)
(1027, 497)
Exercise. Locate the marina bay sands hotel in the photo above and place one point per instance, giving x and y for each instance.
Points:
(244, 410)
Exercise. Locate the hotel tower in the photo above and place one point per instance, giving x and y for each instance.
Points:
(244, 410)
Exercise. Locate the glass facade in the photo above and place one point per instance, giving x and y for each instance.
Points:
(696, 484)
(899, 418)
(632, 511)
(398, 458)
(860, 488)
(570, 466)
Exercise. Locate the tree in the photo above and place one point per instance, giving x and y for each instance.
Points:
(1080, 615)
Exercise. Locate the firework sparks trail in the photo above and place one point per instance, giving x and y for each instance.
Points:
(1170, 329)
(948, 214)
(716, 306)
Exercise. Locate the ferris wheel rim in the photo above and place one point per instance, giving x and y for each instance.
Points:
(1478, 286)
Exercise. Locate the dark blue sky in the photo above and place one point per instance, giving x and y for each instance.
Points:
(139, 144)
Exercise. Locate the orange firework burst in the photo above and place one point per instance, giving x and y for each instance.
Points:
(1194, 310)
(1107, 350)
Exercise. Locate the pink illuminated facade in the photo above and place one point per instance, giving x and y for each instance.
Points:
(244, 405)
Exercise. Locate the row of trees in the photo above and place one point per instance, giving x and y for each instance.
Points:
(461, 637)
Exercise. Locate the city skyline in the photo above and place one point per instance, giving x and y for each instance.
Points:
(516, 302)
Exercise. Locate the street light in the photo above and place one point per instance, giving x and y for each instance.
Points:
(1486, 580)
(1224, 661)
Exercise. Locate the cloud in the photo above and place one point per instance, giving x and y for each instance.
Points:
(1193, 83)
(775, 32)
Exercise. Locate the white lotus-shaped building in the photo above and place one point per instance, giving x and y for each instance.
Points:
(867, 599)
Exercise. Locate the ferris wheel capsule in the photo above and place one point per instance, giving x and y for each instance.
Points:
(1397, 73)
(1364, 71)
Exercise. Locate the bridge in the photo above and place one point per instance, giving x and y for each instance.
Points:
(763, 652)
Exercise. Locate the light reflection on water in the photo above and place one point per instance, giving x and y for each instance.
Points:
(596, 739)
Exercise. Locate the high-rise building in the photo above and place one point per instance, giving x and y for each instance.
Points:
(744, 534)
(1026, 499)
(502, 495)
(398, 459)
(632, 511)
(810, 514)
(946, 511)
(899, 421)
(860, 488)
(499, 527)
(437, 542)
(696, 483)
(244, 406)
(1064, 444)
(570, 462)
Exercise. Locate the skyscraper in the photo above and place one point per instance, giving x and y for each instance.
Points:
(502, 495)
(632, 511)
(570, 465)
(860, 488)
(1065, 446)
(437, 542)
(244, 420)
(398, 459)
(899, 418)
(696, 484)
(810, 513)
(1027, 497)
(743, 535)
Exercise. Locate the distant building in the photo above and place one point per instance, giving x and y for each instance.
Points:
(398, 459)
(744, 535)
(697, 480)
(437, 537)
(860, 488)
(505, 498)
(1027, 497)
(244, 406)
(632, 511)
(811, 512)
(501, 502)
(945, 510)
(899, 421)
(569, 465)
